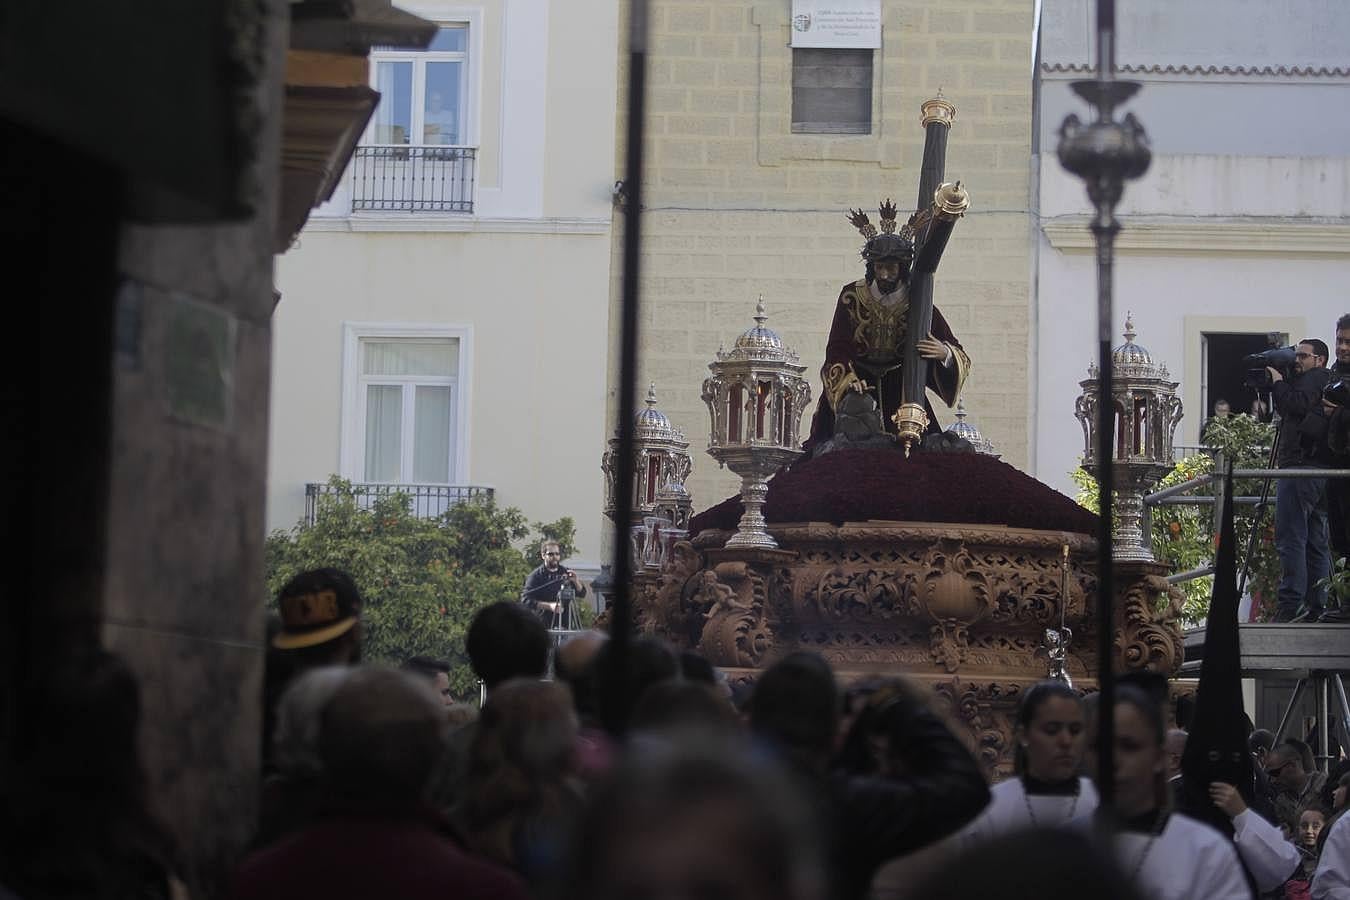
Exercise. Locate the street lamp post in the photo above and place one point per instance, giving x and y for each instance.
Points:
(1105, 154)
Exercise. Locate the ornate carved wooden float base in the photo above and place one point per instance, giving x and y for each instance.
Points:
(960, 606)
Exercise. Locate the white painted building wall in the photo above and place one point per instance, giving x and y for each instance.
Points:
(523, 280)
(1242, 223)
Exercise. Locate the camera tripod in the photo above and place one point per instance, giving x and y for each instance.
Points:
(1323, 683)
(1259, 517)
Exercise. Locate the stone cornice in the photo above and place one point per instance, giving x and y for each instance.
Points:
(1248, 237)
(1170, 69)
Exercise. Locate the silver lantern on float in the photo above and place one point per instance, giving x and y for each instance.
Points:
(1146, 410)
(660, 505)
(755, 395)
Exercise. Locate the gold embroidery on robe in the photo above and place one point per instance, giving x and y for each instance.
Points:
(878, 328)
(837, 378)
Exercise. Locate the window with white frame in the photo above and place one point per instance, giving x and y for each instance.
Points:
(403, 404)
(424, 94)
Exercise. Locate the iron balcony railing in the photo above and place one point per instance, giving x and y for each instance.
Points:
(427, 500)
(398, 177)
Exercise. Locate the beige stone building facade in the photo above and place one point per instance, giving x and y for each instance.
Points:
(739, 202)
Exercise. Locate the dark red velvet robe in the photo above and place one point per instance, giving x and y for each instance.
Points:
(862, 327)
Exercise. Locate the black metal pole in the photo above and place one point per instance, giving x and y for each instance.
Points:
(1105, 229)
(1105, 153)
(621, 609)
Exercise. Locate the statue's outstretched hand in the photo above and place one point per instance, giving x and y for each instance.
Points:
(931, 348)
(859, 386)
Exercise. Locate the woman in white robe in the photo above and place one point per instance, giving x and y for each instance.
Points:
(1332, 881)
(1167, 855)
(1270, 858)
(1048, 792)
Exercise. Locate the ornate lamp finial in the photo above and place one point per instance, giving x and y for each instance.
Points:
(1140, 398)
(938, 110)
(661, 463)
(755, 396)
(969, 431)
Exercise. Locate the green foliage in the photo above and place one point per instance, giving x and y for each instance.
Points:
(1247, 442)
(1337, 584)
(1184, 537)
(422, 579)
(562, 531)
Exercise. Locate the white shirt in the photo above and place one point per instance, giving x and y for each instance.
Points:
(1332, 879)
(1187, 860)
(1011, 809)
(1270, 858)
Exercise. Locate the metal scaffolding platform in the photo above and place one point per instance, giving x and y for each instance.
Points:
(1292, 651)
(1317, 655)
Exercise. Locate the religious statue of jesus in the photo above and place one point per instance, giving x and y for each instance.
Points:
(888, 345)
(866, 348)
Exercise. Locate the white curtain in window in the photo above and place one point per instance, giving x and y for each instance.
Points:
(393, 114)
(411, 357)
(431, 435)
(384, 427)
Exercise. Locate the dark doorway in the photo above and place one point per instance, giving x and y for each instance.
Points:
(1224, 370)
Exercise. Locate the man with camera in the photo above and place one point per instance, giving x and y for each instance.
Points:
(1336, 405)
(550, 589)
(1301, 537)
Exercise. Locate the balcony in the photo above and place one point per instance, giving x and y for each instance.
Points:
(403, 178)
(427, 500)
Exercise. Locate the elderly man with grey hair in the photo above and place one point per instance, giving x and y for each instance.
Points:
(290, 793)
(380, 737)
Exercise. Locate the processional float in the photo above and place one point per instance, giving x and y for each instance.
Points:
(954, 568)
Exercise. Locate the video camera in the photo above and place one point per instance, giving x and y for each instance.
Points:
(1279, 358)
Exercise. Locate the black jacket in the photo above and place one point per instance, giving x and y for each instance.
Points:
(873, 819)
(543, 586)
(1303, 427)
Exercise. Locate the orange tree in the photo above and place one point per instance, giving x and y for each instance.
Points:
(422, 578)
(1183, 535)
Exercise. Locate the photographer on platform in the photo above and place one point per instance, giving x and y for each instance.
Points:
(1301, 503)
(1336, 405)
(550, 589)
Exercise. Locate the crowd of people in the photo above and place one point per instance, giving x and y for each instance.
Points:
(675, 786)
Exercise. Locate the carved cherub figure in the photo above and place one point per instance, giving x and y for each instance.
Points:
(719, 597)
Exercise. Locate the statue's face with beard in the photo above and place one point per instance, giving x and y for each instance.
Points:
(889, 273)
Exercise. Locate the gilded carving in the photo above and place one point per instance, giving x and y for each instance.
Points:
(948, 640)
(865, 594)
(928, 600)
(735, 631)
(987, 712)
(662, 604)
(956, 589)
(1150, 637)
